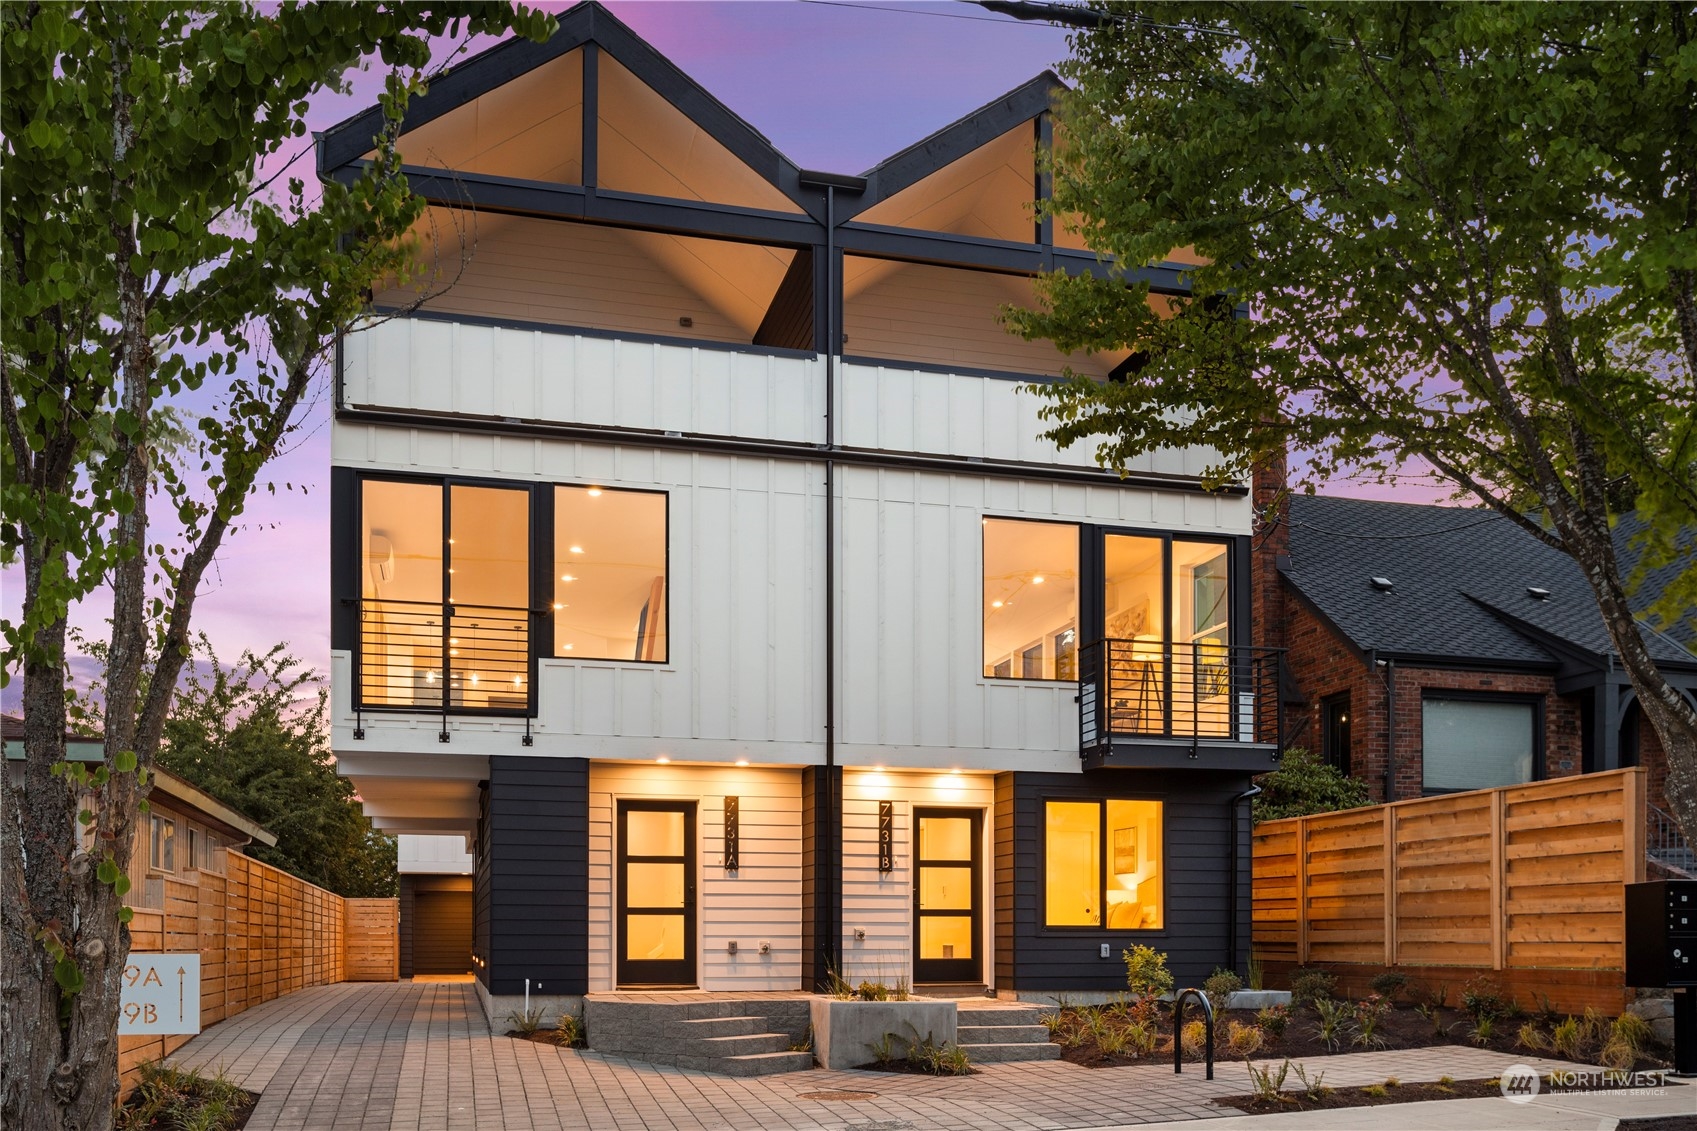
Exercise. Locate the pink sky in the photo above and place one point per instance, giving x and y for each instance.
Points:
(835, 87)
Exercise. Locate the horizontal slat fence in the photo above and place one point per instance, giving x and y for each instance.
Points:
(1515, 882)
(261, 933)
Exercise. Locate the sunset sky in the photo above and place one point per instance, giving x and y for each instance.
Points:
(835, 86)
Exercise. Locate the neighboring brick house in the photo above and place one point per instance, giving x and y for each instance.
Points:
(1484, 643)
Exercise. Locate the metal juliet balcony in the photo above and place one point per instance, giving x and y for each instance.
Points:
(1159, 703)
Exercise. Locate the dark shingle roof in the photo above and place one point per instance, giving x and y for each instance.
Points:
(1460, 578)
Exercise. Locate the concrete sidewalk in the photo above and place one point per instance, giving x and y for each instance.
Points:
(420, 1057)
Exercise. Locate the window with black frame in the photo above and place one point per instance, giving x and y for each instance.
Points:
(445, 596)
(1477, 742)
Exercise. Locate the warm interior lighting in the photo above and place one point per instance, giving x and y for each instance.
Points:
(663, 760)
(453, 651)
(557, 605)
(997, 604)
(1038, 580)
(742, 761)
(567, 648)
(429, 677)
(453, 640)
(567, 577)
(576, 549)
(518, 681)
(474, 678)
(594, 492)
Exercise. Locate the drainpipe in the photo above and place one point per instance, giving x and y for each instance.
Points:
(1231, 919)
(1390, 730)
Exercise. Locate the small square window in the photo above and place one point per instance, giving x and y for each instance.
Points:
(162, 844)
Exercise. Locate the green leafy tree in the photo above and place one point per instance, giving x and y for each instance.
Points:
(254, 736)
(1465, 235)
(156, 244)
(1302, 785)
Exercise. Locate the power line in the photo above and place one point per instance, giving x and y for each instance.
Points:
(914, 11)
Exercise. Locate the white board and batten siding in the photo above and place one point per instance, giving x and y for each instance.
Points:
(881, 903)
(744, 677)
(757, 903)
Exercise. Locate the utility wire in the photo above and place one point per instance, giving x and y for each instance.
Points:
(914, 11)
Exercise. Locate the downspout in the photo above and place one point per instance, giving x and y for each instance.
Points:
(833, 337)
(1390, 730)
(1231, 919)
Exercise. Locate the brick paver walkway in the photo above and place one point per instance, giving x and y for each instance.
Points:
(420, 1057)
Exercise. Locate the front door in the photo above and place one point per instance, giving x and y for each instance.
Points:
(656, 885)
(947, 882)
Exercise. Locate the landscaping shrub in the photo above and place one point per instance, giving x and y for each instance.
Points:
(1389, 985)
(1567, 1039)
(1331, 1014)
(1146, 972)
(1635, 1031)
(1219, 988)
(1274, 1019)
(181, 1098)
(1303, 784)
(1269, 1082)
(1194, 1037)
(1370, 1013)
(1533, 1038)
(1309, 985)
(1483, 999)
(1243, 1040)
(526, 1021)
(568, 1031)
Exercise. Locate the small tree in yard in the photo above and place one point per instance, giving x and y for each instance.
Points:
(1303, 785)
(143, 257)
(1466, 235)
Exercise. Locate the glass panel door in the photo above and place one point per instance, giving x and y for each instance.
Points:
(656, 884)
(947, 886)
(1134, 627)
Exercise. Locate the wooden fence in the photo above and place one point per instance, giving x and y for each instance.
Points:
(1514, 883)
(261, 933)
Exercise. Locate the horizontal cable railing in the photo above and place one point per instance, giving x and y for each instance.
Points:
(1165, 689)
(433, 657)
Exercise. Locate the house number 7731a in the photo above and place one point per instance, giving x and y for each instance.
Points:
(161, 994)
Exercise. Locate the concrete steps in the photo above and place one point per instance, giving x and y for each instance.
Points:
(993, 1034)
(730, 1036)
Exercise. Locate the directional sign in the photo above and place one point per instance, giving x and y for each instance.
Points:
(161, 994)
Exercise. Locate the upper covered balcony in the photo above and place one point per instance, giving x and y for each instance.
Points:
(587, 186)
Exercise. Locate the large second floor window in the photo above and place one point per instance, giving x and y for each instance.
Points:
(609, 574)
(444, 608)
(1030, 599)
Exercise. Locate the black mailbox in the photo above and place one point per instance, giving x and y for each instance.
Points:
(1661, 933)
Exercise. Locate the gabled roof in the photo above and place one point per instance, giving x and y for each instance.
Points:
(1459, 586)
(971, 131)
(585, 23)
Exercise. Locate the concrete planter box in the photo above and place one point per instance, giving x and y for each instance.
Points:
(1257, 999)
(845, 1031)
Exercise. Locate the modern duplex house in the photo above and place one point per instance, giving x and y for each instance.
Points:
(699, 557)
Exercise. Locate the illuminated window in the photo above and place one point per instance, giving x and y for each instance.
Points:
(1030, 600)
(609, 574)
(1102, 865)
(162, 844)
(445, 596)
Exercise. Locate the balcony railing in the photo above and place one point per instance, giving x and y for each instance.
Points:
(424, 655)
(1195, 692)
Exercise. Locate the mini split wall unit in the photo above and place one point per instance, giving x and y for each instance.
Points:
(699, 558)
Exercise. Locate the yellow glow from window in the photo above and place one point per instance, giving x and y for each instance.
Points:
(1072, 864)
(1077, 859)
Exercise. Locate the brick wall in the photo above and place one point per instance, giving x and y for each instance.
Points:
(1323, 665)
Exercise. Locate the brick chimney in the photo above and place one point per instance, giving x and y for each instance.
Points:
(1270, 492)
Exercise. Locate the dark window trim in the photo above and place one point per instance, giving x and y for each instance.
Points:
(666, 533)
(446, 483)
(1338, 760)
(1092, 546)
(1079, 529)
(1101, 802)
(1533, 699)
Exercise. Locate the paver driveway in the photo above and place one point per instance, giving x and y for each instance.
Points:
(421, 1057)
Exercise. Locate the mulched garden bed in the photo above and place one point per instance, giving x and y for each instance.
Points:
(912, 1067)
(1082, 1031)
(545, 1037)
(1375, 1095)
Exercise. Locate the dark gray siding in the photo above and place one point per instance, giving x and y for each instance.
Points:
(531, 910)
(821, 873)
(1005, 869)
(1196, 936)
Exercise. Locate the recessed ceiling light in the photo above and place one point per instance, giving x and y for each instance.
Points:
(568, 647)
(518, 681)
(995, 604)
(742, 761)
(577, 549)
(450, 569)
(474, 677)
(1038, 580)
(557, 605)
(429, 677)
(663, 760)
(450, 541)
(453, 640)
(567, 577)
(453, 651)
(595, 492)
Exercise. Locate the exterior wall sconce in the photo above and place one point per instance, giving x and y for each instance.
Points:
(886, 837)
(733, 838)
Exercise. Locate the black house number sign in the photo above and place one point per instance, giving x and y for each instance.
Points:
(886, 836)
(733, 833)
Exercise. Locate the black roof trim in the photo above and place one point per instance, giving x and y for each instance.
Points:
(589, 22)
(956, 140)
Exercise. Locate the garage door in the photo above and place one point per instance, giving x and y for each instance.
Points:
(441, 933)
